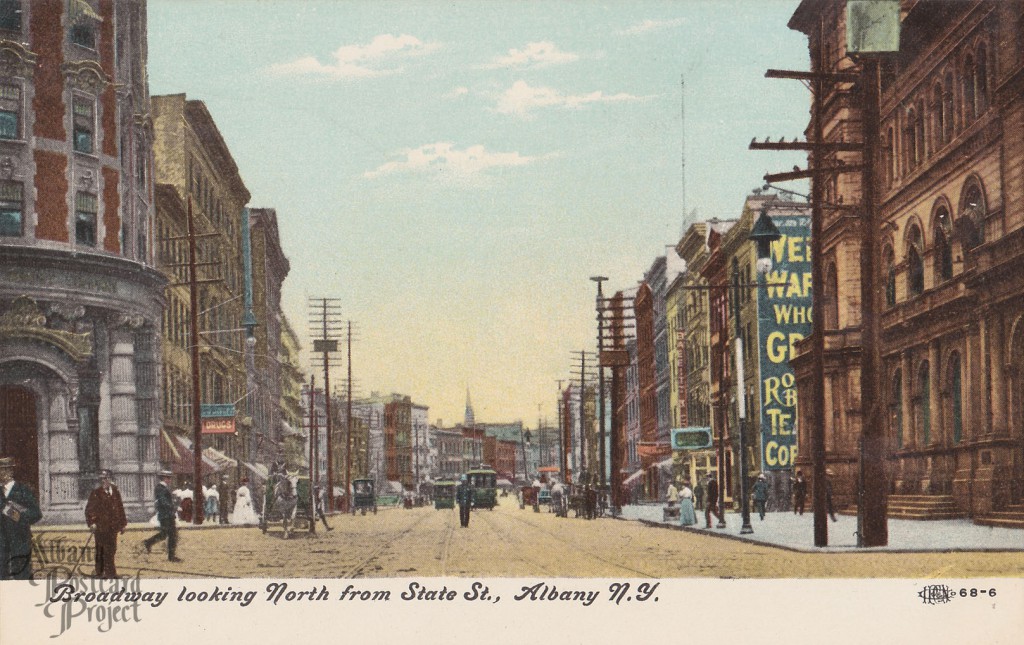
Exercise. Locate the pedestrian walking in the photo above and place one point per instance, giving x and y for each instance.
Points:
(687, 514)
(211, 504)
(828, 494)
(672, 495)
(320, 501)
(244, 513)
(712, 501)
(104, 514)
(761, 494)
(698, 493)
(464, 497)
(19, 510)
(223, 500)
(799, 493)
(165, 507)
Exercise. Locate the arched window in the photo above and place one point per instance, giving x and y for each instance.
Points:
(968, 85)
(938, 130)
(981, 82)
(923, 417)
(896, 408)
(915, 262)
(831, 298)
(889, 262)
(910, 139)
(971, 221)
(890, 159)
(956, 398)
(921, 143)
(943, 247)
(947, 108)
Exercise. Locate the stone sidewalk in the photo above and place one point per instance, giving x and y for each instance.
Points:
(796, 532)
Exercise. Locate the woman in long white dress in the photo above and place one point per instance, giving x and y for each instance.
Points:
(244, 514)
(687, 516)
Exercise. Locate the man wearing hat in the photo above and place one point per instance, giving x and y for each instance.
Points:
(761, 494)
(18, 512)
(828, 494)
(223, 500)
(104, 513)
(165, 508)
(712, 500)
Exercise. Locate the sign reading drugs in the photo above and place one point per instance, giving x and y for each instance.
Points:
(219, 425)
(784, 318)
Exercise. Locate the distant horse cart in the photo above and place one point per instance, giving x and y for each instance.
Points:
(287, 501)
(363, 496)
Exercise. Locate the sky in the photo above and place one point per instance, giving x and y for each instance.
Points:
(454, 172)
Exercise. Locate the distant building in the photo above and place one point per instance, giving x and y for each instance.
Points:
(194, 169)
(270, 267)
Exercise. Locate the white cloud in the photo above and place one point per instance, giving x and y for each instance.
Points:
(539, 54)
(456, 93)
(648, 26)
(521, 98)
(445, 160)
(359, 61)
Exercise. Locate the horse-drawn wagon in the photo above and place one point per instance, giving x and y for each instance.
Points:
(288, 500)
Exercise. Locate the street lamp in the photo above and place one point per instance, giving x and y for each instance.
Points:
(762, 234)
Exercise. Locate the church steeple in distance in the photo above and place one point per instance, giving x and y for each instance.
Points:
(469, 421)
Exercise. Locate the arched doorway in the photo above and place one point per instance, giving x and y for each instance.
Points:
(19, 432)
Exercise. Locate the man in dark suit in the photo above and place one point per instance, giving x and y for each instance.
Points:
(712, 501)
(165, 508)
(19, 510)
(223, 500)
(464, 497)
(104, 513)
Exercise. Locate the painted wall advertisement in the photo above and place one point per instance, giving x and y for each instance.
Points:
(784, 318)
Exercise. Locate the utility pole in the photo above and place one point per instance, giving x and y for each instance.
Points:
(584, 444)
(600, 399)
(197, 423)
(612, 353)
(327, 343)
(313, 440)
(872, 523)
(348, 424)
(563, 461)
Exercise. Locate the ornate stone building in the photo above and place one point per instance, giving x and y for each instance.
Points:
(194, 166)
(80, 300)
(950, 185)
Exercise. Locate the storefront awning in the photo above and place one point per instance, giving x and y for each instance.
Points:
(257, 469)
(178, 456)
(634, 478)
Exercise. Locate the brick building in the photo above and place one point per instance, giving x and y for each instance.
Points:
(80, 299)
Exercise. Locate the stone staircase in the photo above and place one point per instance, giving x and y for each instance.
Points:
(1010, 517)
(923, 507)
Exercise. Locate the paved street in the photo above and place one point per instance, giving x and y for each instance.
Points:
(509, 542)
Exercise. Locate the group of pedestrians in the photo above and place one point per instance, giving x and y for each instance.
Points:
(707, 498)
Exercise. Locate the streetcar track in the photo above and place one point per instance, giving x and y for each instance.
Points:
(504, 537)
(578, 549)
(358, 570)
(446, 546)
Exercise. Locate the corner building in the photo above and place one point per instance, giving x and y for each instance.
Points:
(80, 300)
(950, 188)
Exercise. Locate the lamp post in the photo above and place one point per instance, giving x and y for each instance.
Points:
(762, 234)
